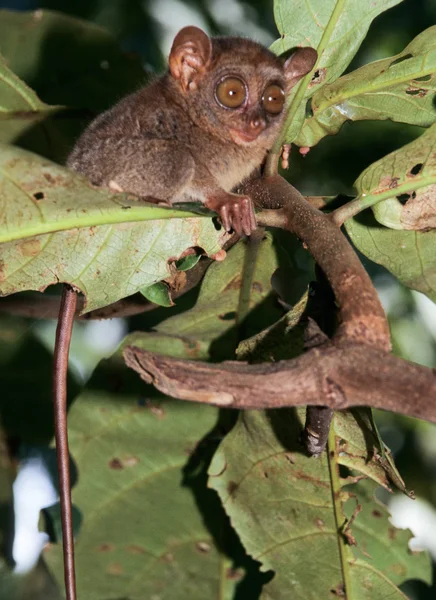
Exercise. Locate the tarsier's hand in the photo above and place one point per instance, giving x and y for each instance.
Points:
(236, 212)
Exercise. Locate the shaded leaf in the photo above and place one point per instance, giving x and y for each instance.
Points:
(288, 510)
(209, 330)
(409, 255)
(56, 227)
(282, 340)
(20, 107)
(26, 368)
(401, 88)
(335, 28)
(66, 60)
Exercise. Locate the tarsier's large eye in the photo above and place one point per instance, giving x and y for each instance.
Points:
(273, 99)
(231, 92)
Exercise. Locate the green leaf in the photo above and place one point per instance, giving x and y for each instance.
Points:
(409, 255)
(187, 262)
(66, 60)
(335, 28)
(290, 511)
(142, 495)
(56, 227)
(401, 88)
(20, 107)
(158, 293)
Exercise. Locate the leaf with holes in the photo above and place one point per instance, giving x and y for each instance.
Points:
(141, 491)
(56, 227)
(291, 510)
(401, 88)
(401, 188)
(402, 185)
(335, 28)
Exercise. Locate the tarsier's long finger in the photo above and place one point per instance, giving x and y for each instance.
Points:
(225, 217)
(248, 219)
(237, 216)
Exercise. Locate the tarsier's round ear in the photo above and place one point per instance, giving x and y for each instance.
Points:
(190, 56)
(299, 64)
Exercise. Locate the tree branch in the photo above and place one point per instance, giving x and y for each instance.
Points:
(353, 369)
(338, 375)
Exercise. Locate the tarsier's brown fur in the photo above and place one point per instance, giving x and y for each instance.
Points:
(174, 142)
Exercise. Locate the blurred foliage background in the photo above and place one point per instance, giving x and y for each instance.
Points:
(146, 28)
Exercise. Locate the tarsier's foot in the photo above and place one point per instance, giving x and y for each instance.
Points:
(235, 212)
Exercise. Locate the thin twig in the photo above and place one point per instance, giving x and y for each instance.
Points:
(60, 371)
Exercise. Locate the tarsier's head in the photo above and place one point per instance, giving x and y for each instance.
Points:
(238, 87)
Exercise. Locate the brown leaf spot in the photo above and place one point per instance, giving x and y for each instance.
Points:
(234, 284)
(168, 557)
(338, 591)
(115, 569)
(116, 464)
(257, 287)
(203, 547)
(157, 411)
(30, 248)
(387, 183)
(49, 177)
(376, 513)
(2, 270)
(320, 524)
(105, 548)
(392, 533)
(232, 486)
(398, 569)
(314, 480)
(136, 550)
(39, 196)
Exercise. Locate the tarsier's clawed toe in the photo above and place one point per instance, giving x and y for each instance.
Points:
(238, 215)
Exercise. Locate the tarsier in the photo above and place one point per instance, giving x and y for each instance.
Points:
(199, 130)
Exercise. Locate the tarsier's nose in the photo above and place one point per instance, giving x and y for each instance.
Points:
(257, 124)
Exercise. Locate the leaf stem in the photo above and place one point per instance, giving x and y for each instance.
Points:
(360, 203)
(271, 167)
(337, 508)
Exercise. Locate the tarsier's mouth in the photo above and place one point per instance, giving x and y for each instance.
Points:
(242, 136)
